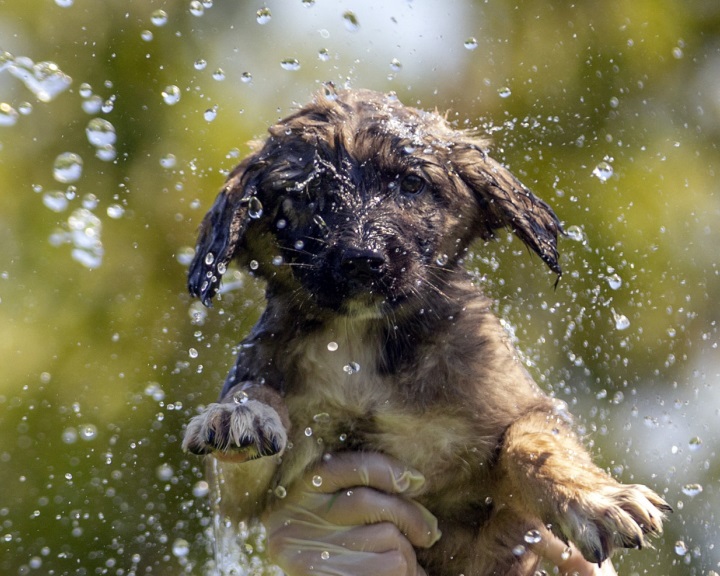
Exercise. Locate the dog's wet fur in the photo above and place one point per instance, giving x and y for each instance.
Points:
(357, 212)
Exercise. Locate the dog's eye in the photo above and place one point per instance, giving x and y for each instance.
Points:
(412, 184)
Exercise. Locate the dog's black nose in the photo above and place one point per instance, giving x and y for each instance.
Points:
(362, 264)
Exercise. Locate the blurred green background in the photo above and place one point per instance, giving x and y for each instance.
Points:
(610, 111)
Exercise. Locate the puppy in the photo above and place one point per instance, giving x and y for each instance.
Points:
(357, 212)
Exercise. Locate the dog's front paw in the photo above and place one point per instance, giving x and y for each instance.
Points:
(237, 431)
(613, 516)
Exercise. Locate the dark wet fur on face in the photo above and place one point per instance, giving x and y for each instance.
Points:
(357, 212)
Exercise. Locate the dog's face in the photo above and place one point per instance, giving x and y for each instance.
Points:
(358, 204)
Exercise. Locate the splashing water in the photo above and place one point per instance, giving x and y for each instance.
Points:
(44, 79)
(83, 230)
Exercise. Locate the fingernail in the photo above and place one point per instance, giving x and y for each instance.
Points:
(434, 533)
(409, 482)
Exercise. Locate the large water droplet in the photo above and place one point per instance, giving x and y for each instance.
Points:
(255, 208)
(180, 548)
(621, 321)
(8, 115)
(263, 16)
(471, 43)
(100, 132)
(55, 200)
(692, 490)
(317, 481)
(575, 233)
(680, 548)
(171, 95)
(67, 167)
(533, 537)
(504, 92)
(603, 171)
(351, 21)
(196, 8)
(44, 79)
(291, 64)
(159, 18)
(614, 281)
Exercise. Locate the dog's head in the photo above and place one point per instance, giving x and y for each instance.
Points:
(356, 202)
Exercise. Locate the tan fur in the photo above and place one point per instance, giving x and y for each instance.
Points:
(357, 211)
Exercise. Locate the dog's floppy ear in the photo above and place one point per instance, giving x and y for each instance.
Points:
(221, 232)
(503, 201)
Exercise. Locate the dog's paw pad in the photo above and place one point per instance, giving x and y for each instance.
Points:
(242, 431)
(615, 516)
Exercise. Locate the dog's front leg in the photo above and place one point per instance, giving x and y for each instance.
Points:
(250, 421)
(552, 476)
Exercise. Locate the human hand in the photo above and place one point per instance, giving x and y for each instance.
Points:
(352, 516)
(567, 558)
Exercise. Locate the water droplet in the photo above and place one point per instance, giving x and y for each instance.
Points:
(69, 435)
(575, 233)
(308, 431)
(308, 3)
(180, 548)
(395, 65)
(351, 368)
(614, 281)
(621, 321)
(263, 16)
(332, 346)
(154, 390)
(299, 245)
(317, 481)
(196, 8)
(67, 167)
(566, 554)
(64, 3)
(471, 43)
(106, 153)
(201, 489)
(504, 92)
(92, 105)
(210, 114)
(55, 201)
(219, 75)
(352, 24)
(680, 548)
(254, 265)
(164, 472)
(246, 77)
(692, 490)
(280, 492)
(100, 132)
(325, 555)
(240, 397)
(519, 550)
(342, 437)
(115, 211)
(159, 18)
(677, 53)
(87, 432)
(533, 537)
(193, 353)
(255, 208)
(442, 259)
(694, 444)
(277, 260)
(603, 171)
(171, 95)
(322, 418)
(290, 64)
(614, 102)
(146, 35)
(200, 64)
(168, 161)
(44, 79)
(324, 54)
(8, 115)
(209, 259)
(25, 108)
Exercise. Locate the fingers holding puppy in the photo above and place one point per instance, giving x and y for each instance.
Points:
(352, 516)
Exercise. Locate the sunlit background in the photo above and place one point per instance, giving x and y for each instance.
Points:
(118, 122)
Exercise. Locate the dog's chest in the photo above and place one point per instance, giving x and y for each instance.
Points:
(339, 399)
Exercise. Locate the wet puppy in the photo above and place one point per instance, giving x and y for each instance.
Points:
(357, 211)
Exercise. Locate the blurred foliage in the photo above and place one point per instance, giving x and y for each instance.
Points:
(103, 366)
